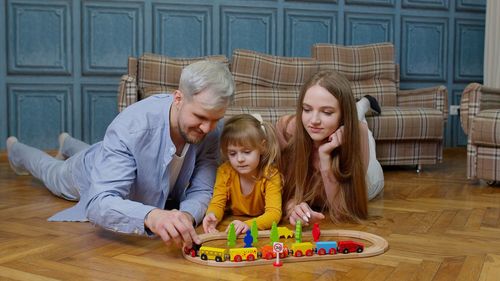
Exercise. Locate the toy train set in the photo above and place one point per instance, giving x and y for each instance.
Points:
(299, 251)
(266, 252)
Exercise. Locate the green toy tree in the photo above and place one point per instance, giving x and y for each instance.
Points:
(231, 236)
(298, 232)
(274, 233)
(255, 231)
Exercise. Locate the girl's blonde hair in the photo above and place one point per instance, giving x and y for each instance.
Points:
(247, 131)
(303, 183)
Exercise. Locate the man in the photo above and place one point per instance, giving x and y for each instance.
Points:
(160, 150)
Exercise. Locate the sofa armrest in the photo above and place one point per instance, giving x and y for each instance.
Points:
(476, 98)
(432, 97)
(127, 92)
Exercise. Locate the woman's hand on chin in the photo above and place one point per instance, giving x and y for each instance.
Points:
(333, 141)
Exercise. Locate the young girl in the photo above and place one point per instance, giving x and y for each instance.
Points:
(248, 181)
(327, 153)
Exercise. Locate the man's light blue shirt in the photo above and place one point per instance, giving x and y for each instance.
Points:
(125, 176)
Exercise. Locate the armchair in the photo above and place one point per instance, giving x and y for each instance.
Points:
(480, 120)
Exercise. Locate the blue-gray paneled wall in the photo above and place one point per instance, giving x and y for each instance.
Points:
(61, 60)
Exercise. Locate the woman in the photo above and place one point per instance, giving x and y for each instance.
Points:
(326, 154)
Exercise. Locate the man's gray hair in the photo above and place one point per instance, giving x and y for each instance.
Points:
(208, 75)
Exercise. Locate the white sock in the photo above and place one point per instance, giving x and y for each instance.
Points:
(363, 105)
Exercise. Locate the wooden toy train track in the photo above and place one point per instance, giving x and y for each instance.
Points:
(376, 245)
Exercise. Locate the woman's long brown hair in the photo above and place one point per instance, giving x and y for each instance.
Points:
(303, 183)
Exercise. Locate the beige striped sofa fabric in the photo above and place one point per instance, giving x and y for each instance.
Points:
(268, 84)
(480, 120)
(409, 131)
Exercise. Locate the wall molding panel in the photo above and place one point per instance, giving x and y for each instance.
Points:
(111, 33)
(31, 107)
(170, 40)
(363, 28)
(471, 5)
(99, 109)
(248, 27)
(39, 37)
(389, 3)
(425, 48)
(61, 60)
(469, 50)
(304, 28)
(426, 4)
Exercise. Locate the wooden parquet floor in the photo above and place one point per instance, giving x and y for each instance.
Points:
(439, 227)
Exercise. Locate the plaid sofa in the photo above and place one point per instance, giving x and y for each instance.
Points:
(408, 132)
(480, 120)
(264, 84)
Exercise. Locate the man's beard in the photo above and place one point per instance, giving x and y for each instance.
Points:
(188, 139)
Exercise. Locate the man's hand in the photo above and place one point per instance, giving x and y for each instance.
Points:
(304, 213)
(239, 226)
(172, 226)
(210, 223)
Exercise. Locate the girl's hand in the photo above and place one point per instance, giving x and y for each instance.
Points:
(334, 141)
(239, 226)
(305, 214)
(210, 223)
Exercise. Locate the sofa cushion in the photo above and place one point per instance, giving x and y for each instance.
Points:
(486, 128)
(158, 73)
(270, 114)
(400, 123)
(253, 95)
(266, 80)
(370, 68)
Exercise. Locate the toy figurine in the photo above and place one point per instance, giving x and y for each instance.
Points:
(248, 239)
(316, 232)
(285, 232)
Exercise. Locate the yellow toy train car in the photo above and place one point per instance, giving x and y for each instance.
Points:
(212, 253)
(245, 254)
(304, 248)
